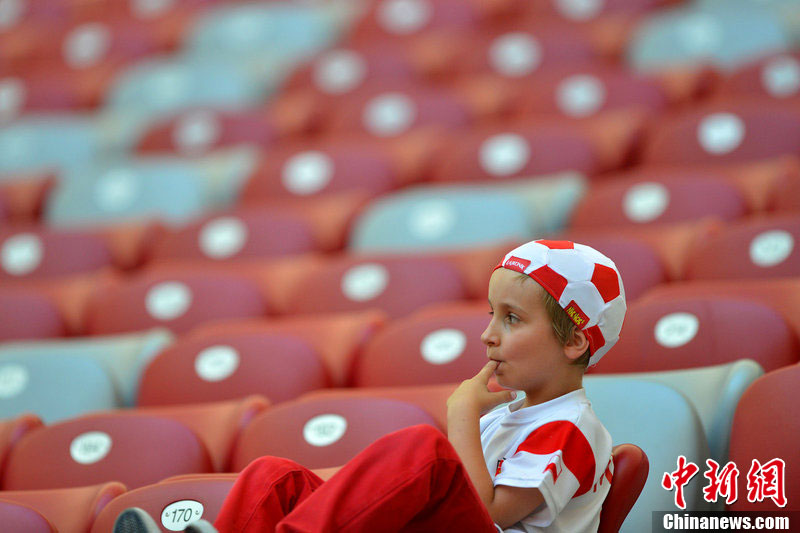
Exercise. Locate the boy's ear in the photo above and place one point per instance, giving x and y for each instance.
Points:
(577, 344)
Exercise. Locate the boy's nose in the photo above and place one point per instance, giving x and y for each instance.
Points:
(488, 337)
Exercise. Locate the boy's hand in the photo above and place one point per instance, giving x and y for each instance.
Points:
(473, 395)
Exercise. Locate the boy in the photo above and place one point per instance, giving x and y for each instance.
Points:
(541, 463)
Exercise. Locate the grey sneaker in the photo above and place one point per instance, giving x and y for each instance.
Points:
(200, 526)
(135, 520)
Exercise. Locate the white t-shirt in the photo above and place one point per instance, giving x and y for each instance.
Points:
(559, 447)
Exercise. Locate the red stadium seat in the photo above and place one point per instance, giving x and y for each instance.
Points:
(104, 447)
(67, 509)
(174, 503)
(197, 131)
(697, 331)
(175, 300)
(729, 131)
(29, 314)
(765, 428)
(299, 171)
(336, 337)
(430, 398)
(229, 366)
(218, 425)
(774, 76)
(435, 346)
(20, 517)
(324, 433)
(11, 430)
(757, 248)
(397, 285)
(658, 198)
(630, 473)
(246, 233)
(37, 253)
(24, 195)
(389, 111)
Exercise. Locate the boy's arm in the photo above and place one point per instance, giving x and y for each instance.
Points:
(506, 505)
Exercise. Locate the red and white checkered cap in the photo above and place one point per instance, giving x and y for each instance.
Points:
(583, 281)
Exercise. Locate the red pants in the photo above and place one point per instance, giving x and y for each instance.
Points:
(409, 480)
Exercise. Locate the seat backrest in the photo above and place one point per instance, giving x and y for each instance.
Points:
(172, 503)
(226, 367)
(630, 473)
(131, 448)
(682, 332)
(765, 427)
(28, 315)
(20, 517)
(663, 423)
(320, 433)
(428, 347)
(69, 509)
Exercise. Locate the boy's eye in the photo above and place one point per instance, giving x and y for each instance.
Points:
(512, 318)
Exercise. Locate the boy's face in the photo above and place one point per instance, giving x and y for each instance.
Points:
(520, 334)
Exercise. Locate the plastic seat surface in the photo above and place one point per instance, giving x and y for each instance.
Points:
(47, 141)
(68, 509)
(396, 285)
(630, 474)
(28, 314)
(104, 447)
(19, 517)
(218, 425)
(773, 76)
(123, 357)
(54, 386)
(756, 248)
(35, 253)
(725, 34)
(174, 503)
(253, 233)
(688, 331)
(324, 433)
(225, 367)
(177, 302)
(763, 432)
(436, 346)
(440, 218)
(664, 424)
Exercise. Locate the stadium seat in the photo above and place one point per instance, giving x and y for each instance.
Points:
(245, 233)
(630, 474)
(337, 338)
(664, 424)
(436, 346)
(440, 218)
(310, 169)
(218, 425)
(724, 131)
(67, 509)
(104, 447)
(226, 367)
(430, 398)
(774, 76)
(174, 503)
(54, 387)
(756, 248)
(174, 300)
(725, 34)
(19, 517)
(198, 131)
(123, 357)
(13, 429)
(37, 252)
(713, 391)
(153, 87)
(765, 427)
(650, 199)
(324, 433)
(28, 314)
(682, 332)
(47, 142)
(391, 110)
(397, 285)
